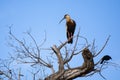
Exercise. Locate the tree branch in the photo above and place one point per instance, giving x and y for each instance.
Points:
(102, 47)
(28, 53)
(59, 56)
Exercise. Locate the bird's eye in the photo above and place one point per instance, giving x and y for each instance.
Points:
(65, 15)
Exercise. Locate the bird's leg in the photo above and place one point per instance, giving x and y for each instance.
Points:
(71, 35)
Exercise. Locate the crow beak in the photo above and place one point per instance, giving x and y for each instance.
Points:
(61, 20)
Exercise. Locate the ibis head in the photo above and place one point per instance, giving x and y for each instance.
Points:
(66, 16)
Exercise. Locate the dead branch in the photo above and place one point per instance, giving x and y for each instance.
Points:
(5, 70)
(25, 53)
(60, 59)
(72, 73)
(103, 46)
(38, 50)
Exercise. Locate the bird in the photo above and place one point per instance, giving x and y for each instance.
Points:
(105, 58)
(70, 27)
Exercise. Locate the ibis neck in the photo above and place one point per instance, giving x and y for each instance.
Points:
(68, 20)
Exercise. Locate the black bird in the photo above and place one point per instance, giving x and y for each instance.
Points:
(105, 58)
(70, 28)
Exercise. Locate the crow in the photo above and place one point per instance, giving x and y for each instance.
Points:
(105, 58)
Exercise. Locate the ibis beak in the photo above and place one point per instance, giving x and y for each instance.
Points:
(61, 20)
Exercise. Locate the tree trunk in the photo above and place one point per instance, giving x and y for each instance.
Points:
(73, 73)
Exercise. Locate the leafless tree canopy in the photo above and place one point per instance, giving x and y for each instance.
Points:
(33, 55)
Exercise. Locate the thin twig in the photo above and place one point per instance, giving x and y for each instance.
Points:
(27, 51)
(102, 47)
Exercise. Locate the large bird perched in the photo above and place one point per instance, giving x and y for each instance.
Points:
(105, 58)
(70, 27)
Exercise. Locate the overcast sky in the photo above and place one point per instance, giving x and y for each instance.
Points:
(97, 19)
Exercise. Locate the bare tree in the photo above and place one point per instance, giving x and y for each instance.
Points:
(5, 71)
(33, 55)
